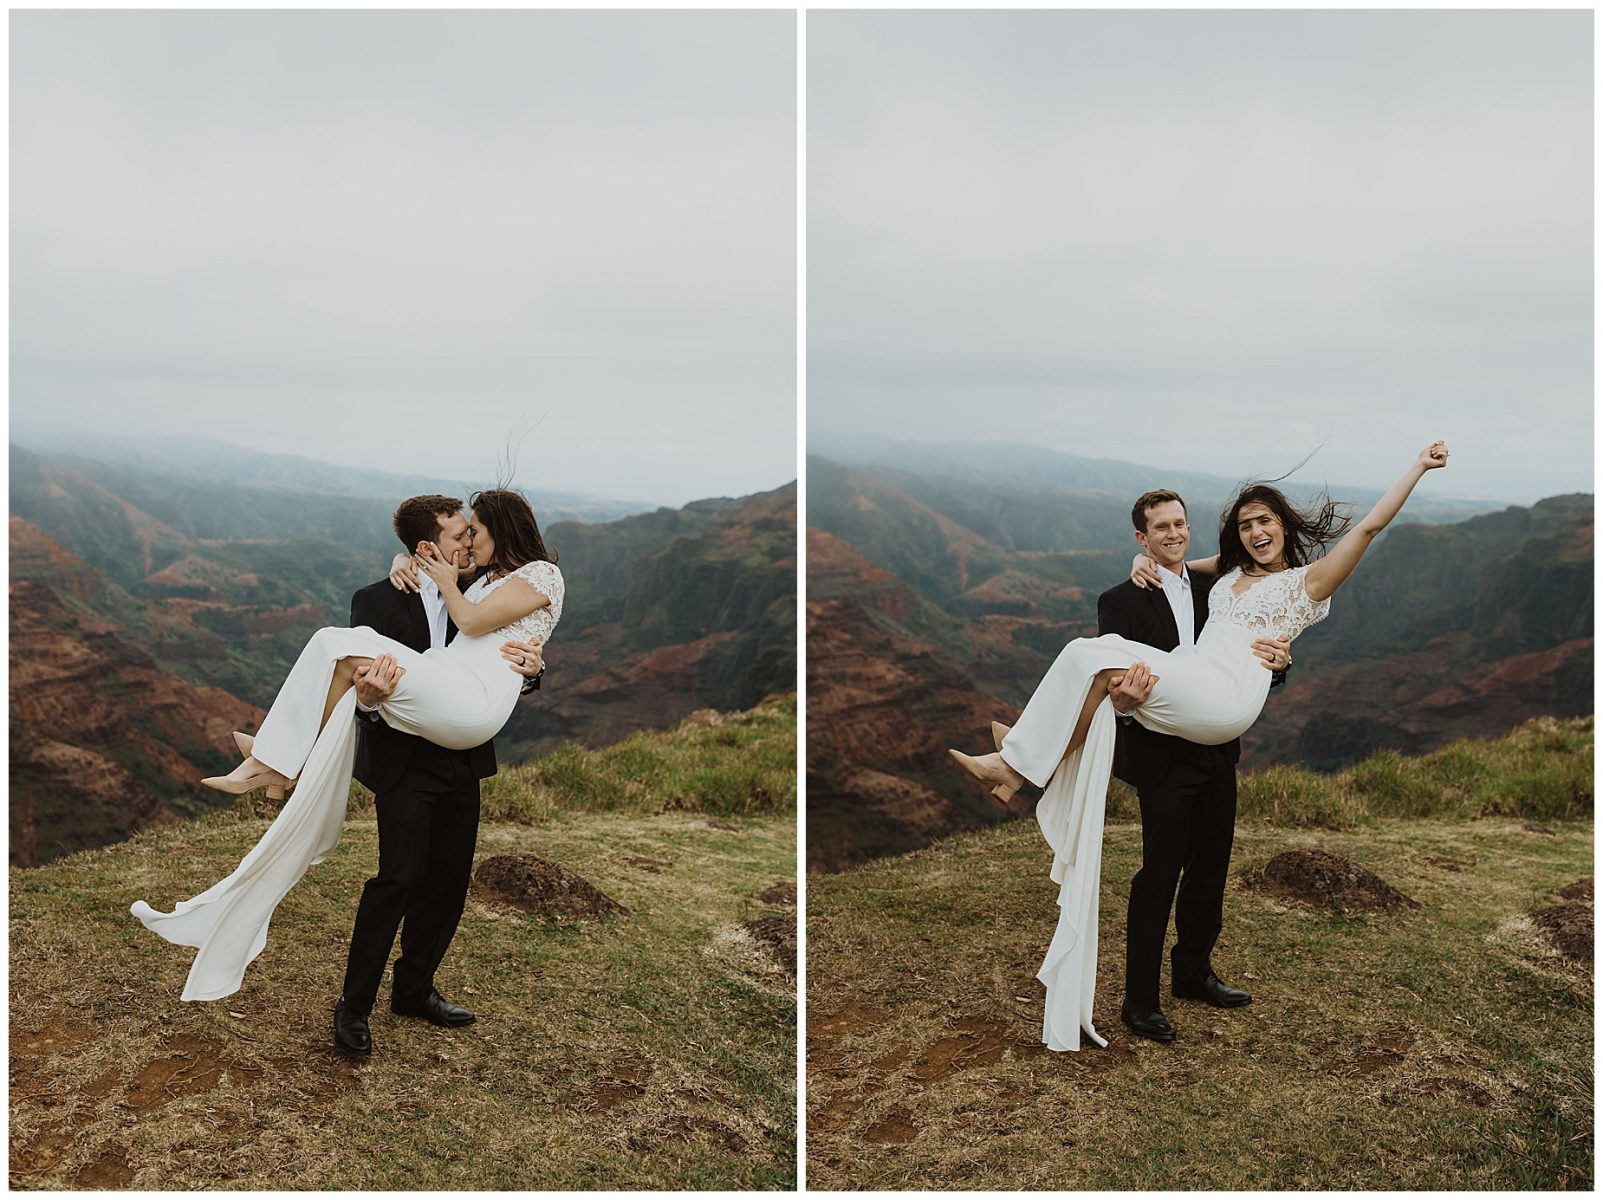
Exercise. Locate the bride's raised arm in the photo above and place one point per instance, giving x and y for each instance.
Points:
(509, 602)
(1331, 571)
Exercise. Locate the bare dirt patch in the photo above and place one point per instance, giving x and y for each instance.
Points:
(1581, 889)
(781, 893)
(1569, 927)
(61, 1036)
(837, 1112)
(854, 1017)
(536, 885)
(1384, 1048)
(777, 935)
(107, 1170)
(1327, 880)
(691, 1128)
(1442, 862)
(1535, 827)
(196, 1066)
(895, 1128)
(624, 1081)
(42, 1151)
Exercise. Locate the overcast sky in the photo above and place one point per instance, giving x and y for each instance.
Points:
(388, 238)
(1209, 238)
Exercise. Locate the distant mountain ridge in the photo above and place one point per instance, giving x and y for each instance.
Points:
(936, 600)
(666, 612)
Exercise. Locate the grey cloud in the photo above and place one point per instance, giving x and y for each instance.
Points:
(275, 221)
(1203, 237)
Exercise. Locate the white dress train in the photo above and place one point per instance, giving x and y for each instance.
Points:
(1210, 693)
(458, 696)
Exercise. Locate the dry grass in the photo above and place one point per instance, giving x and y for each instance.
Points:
(655, 1050)
(1444, 1047)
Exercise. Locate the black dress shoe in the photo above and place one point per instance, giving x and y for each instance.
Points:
(351, 1033)
(433, 1008)
(1208, 988)
(1148, 1023)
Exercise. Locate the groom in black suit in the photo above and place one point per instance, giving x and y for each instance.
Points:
(426, 798)
(1187, 791)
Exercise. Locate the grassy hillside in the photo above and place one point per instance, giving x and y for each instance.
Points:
(1441, 1047)
(651, 1049)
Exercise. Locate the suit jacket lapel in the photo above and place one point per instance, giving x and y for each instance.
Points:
(1199, 607)
(419, 618)
(1164, 613)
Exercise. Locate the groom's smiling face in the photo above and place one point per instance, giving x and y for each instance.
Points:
(1167, 535)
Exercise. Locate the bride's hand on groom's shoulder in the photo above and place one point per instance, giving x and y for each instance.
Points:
(1144, 572)
(403, 574)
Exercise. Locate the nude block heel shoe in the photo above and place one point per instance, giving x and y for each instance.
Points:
(998, 732)
(1003, 788)
(246, 743)
(237, 784)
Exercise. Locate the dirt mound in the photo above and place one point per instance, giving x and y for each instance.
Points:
(782, 893)
(1569, 927)
(536, 885)
(777, 935)
(1329, 881)
(1581, 889)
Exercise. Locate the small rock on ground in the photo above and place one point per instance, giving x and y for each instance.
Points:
(777, 935)
(1329, 881)
(537, 885)
(1569, 927)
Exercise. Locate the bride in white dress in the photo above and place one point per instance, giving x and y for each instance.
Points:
(457, 696)
(1210, 694)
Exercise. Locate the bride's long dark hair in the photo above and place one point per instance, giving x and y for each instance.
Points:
(510, 521)
(1306, 529)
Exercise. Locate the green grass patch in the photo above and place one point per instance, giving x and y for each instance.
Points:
(652, 1050)
(1445, 1047)
(1541, 770)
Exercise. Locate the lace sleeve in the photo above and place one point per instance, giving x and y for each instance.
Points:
(1301, 610)
(544, 578)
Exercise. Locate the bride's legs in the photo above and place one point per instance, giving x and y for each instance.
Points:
(345, 670)
(1100, 684)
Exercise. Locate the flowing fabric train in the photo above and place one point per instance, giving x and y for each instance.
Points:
(1070, 815)
(228, 923)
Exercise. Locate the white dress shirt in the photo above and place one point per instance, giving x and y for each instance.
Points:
(1177, 591)
(434, 609)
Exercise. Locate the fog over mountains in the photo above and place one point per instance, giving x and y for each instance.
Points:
(942, 582)
(156, 605)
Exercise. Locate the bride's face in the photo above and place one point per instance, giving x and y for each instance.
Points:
(1261, 533)
(483, 543)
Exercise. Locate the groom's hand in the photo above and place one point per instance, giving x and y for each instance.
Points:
(375, 682)
(1129, 691)
(1275, 652)
(524, 658)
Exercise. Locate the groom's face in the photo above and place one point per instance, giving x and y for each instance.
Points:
(455, 539)
(1168, 534)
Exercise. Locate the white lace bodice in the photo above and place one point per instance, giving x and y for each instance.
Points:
(1274, 606)
(544, 578)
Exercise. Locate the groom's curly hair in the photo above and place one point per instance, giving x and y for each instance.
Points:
(1306, 529)
(418, 519)
(510, 522)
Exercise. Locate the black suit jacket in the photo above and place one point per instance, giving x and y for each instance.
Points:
(382, 753)
(1141, 757)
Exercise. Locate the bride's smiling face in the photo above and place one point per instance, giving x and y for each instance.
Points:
(1261, 533)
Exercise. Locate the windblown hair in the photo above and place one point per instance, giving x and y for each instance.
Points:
(1138, 514)
(1306, 529)
(511, 524)
(418, 519)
